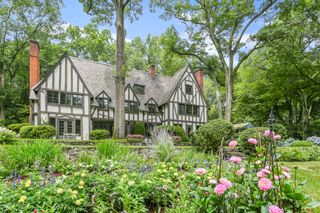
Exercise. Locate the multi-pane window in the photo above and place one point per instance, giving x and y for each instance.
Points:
(61, 127)
(131, 107)
(52, 122)
(189, 109)
(182, 109)
(103, 103)
(78, 127)
(65, 98)
(152, 108)
(77, 100)
(69, 126)
(189, 89)
(196, 110)
(53, 97)
(138, 89)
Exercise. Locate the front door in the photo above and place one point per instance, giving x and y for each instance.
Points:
(65, 128)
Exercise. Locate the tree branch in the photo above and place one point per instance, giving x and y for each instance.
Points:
(247, 55)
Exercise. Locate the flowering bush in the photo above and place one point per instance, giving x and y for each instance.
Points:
(135, 138)
(6, 135)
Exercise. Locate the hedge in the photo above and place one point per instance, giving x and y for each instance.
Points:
(302, 144)
(139, 128)
(299, 153)
(16, 127)
(99, 134)
(41, 131)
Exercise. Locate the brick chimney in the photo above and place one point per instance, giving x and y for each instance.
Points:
(34, 63)
(199, 77)
(152, 71)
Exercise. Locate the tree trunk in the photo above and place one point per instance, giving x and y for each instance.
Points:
(119, 118)
(1, 93)
(229, 92)
(218, 99)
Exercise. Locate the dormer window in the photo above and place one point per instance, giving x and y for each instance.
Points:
(103, 103)
(138, 89)
(152, 108)
(189, 89)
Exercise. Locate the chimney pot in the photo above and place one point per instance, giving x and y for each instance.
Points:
(199, 77)
(152, 71)
(34, 63)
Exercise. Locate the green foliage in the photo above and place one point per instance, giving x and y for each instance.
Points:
(16, 127)
(25, 132)
(24, 154)
(299, 153)
(40, 132)
(174, 130)
(99, 134)
(6, 136)
(256, 132)
(314, 128)
(281, 130)
(108, 149)
(302, 144)
(139, 128)
(210, 135)
(163, 145)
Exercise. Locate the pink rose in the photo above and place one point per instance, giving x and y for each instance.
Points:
(235, 159)
(276, 177)
(286, 174)
(200, 171)
(261, 174)
(213, 181)
(274, 209)
(285, 168)
(265, 184)
(252, 141)
(225, 182)
(233, 143)
(266, 171)
(240, 171)
(220, 189)
(268, 133)
(267, 167)
(277, 137)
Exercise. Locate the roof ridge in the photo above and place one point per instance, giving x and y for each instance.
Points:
(92, 61)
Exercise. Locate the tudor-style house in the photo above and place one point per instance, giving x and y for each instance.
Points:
(78, 96)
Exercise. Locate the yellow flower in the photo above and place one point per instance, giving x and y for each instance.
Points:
(69, 190)
(171, 168)
(74, 192)
(83, 174)
(27, 184)
(131, 183)
(78, 202)
(22, 199)
(175, 174)
(198, 177)
(81, 183)
(164, 170)
(80, 187)
(60, 190)
(159, 170)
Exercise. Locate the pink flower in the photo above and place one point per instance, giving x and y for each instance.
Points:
(200, 171)
(276, 177)
(240, 171)
(286, 174)
(274, 209)
(267, 167)
(252, 141)
(268, 133)
(212, 181)
(266, 171)
(285, 168)
(277, 137)
(235, 159)
(225, 182)
(261, 174)
(220, 189)
(233, 143)
(265, 184)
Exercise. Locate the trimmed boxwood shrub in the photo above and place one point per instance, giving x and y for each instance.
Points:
(299, 153)
(41, 131)
(256, 132)
(16, 127)
(210, 135)
(139, 128)
(99, 134)
(302, 144)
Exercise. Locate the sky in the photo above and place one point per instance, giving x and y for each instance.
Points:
(148, 23)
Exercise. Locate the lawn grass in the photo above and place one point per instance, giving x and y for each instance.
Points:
(310, 172)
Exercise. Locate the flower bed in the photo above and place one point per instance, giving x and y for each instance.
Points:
(135, 138)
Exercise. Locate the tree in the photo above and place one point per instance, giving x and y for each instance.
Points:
(19, 22)
(104, 11)
(224, 24)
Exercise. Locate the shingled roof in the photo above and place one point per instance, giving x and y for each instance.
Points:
(99, 77)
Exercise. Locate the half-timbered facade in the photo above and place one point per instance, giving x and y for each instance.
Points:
(79, 95)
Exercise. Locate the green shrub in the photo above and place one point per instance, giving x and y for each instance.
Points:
(99, 134)
(256, 132)
(6, 135)
(175, 130)
(107, 149)
(25, 131)
(210, 135)
(43, 132)
(299, 153)
(314, 128)
(16, 127)
(139, 128)
(23, 154)
(302, 144)
(281, 130)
